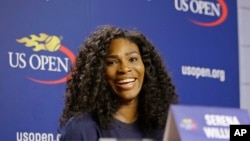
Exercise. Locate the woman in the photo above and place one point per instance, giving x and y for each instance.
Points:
(119, 89)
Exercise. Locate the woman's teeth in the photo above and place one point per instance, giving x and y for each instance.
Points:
(126, 80)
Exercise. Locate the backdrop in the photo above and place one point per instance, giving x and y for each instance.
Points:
(39, 40)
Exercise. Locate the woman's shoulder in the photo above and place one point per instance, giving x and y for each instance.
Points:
(82, 127)
(82, 120)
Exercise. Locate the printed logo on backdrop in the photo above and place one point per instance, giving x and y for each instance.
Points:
(46, 57)
(203, 72)
(206, 13)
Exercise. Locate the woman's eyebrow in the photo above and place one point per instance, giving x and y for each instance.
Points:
(132, 52)
(128, 53)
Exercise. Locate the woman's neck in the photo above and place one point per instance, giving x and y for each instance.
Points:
(127, 113)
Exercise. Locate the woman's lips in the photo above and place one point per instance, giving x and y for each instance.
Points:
(126, 83)
(125, 80)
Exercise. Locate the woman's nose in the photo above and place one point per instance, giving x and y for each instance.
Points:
(124, 68)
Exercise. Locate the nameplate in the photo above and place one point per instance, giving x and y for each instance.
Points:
(200, 123)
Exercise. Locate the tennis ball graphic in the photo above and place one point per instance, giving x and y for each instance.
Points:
(52, 43)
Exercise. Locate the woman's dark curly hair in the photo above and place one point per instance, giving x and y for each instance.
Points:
(88, 91)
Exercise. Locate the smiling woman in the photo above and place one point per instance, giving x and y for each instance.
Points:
(125, 69)
(119, 88)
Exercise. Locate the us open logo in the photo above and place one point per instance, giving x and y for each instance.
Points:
(40, 61)
(216, 10)
(189, 124)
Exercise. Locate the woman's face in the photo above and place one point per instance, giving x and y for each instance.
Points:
(124, 69)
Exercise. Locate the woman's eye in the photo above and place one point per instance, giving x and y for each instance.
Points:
(133, 59)
(111, 62)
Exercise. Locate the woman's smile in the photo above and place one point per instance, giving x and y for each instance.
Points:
(126, 84)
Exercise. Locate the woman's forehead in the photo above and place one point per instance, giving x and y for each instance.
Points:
(122, 45)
